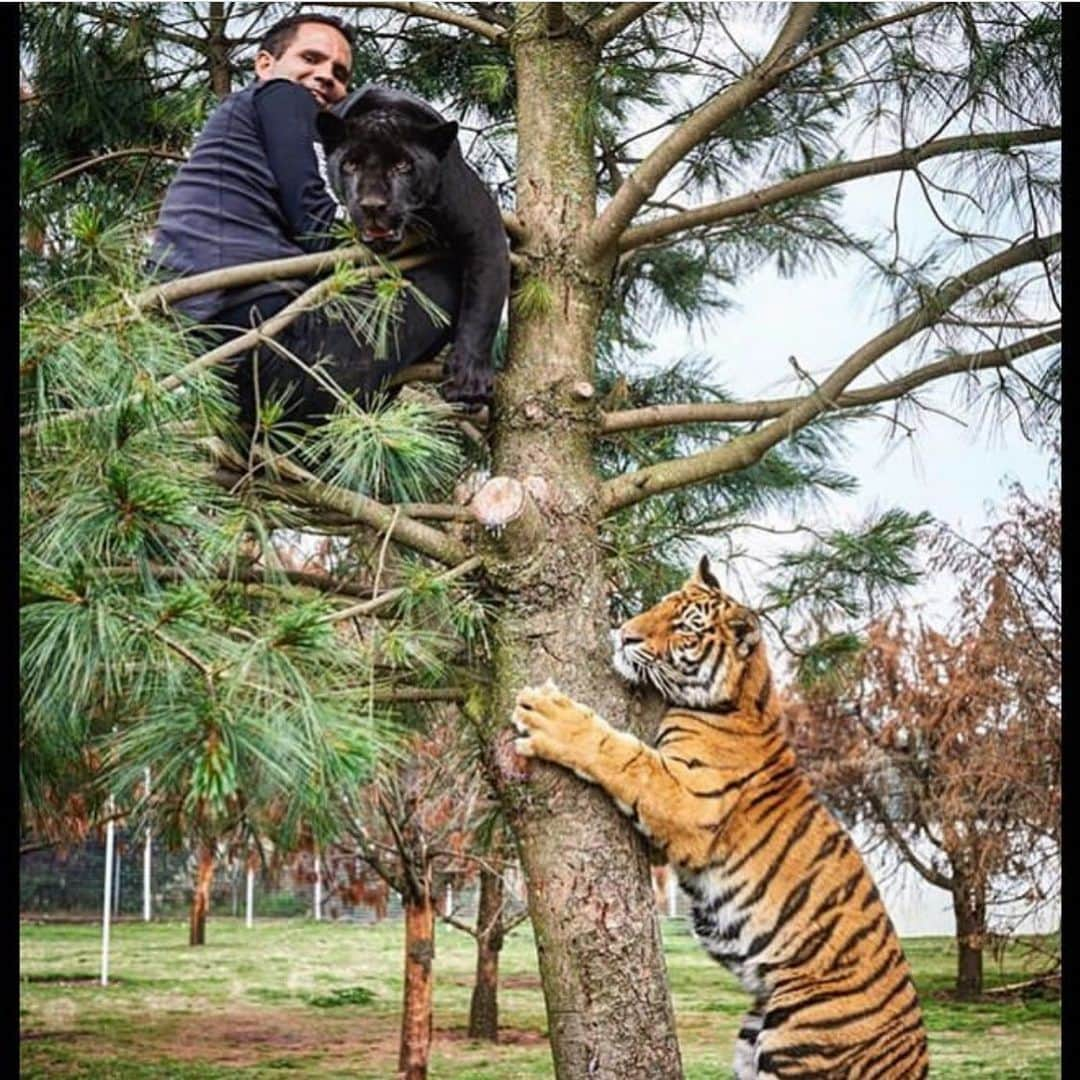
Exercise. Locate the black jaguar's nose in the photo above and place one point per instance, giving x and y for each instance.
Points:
(373, 203)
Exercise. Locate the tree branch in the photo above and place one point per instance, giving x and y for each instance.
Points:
(252, 575)
(603, 28)
(451, 920)
(863, 28)
(655, 416)
(388, 597)
(232, 277)
(898, 838)
(159, 30)
(307, 300)
(604, 234)
(745, 450)
(830, 175)
(307, 487)
(405, 694)
(113, 155)
(437, 13)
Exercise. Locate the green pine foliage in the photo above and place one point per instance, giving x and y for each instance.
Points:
(145, 641)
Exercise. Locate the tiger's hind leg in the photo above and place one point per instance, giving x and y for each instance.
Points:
(746, 1045)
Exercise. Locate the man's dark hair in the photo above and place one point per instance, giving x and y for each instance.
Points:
(279, 37)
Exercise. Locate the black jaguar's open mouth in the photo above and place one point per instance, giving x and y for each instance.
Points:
(374, 236)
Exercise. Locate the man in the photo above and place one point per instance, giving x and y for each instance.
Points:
(251, 191)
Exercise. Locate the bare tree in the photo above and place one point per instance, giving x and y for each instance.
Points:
(411, 825)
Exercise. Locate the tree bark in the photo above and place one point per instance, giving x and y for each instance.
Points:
(200, 899)
(597, 936)
(416, 1011)
(217, 52)
(484, 1006)
(969, 908)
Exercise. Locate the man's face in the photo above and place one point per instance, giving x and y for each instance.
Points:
(318, 58)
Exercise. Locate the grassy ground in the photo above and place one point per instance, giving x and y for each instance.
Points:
(321, 1000)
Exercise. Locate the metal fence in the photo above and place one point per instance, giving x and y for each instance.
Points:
(69, 885)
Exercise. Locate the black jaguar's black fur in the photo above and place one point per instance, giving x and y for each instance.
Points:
(396, 165)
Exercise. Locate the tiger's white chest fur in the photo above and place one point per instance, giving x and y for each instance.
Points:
(722, 926)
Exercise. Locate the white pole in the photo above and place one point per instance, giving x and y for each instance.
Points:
(116, 886)
(146, 859)
(449, 899)
(107, 906)
(248, 912)
(318, 886)
(672, 893)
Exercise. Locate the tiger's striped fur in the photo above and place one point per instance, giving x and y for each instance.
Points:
(780, 895)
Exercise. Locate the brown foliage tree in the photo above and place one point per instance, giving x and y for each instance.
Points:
(947, 744)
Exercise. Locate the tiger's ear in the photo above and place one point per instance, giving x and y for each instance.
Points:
(704, 576)
(747, 631)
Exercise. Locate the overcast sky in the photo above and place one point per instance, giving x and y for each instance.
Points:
(953, 470)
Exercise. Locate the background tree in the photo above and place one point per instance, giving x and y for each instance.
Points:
(650, 157)
(493, 923)
(411, 825)
(947, 745)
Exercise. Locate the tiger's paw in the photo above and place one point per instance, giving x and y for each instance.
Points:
(553, 726)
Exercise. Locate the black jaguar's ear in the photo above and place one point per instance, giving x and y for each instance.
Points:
(331, 130)
(438, 138)
(703, 575)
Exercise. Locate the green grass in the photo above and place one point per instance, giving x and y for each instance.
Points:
(295, 997)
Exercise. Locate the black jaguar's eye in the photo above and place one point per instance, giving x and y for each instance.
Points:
(402, 166)
(348, 167)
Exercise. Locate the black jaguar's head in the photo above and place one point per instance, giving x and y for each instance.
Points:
(384, 166)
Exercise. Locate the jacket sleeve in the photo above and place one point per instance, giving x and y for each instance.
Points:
(286, 115)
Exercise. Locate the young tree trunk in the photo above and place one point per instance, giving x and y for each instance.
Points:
(969, 907)
(484, 1006)
(597, 934)
(416, 1012)
(200, 899)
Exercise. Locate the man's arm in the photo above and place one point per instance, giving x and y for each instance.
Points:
(286, 114)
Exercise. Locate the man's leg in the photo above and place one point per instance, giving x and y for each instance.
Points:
(329, 351)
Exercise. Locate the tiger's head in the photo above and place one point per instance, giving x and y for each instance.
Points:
(694, 645)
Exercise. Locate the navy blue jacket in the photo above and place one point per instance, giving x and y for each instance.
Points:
(250, 191)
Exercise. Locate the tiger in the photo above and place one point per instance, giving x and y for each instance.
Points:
(780, 895)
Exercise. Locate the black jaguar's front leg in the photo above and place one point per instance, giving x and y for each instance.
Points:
(471, 223)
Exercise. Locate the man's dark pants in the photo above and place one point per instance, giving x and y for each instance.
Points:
(336, 351)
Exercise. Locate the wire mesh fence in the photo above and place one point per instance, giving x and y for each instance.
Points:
(68, 884)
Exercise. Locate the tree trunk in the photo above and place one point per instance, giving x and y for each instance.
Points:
(200, 899)
(217, 51)
(969, 907)
(597, 934)
(416, 1012)
(484, 1006)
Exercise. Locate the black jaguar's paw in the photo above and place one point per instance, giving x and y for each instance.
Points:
(466, 385)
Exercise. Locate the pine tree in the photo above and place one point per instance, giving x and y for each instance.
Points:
(649, 157)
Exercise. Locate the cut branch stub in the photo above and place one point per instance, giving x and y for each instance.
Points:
(507, 509)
